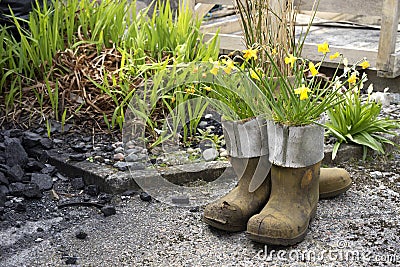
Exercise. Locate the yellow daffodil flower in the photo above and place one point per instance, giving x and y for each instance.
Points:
(336, 55)
(323, 48)
(290, 60)
(312, 68)
(302, 91)
(249, 54)
(274, 52)
(215, 68)
(190, 90)
(207, 88)
(352, 79)
(254, 75)
(229, 66)
(365, 65)
(173, 99)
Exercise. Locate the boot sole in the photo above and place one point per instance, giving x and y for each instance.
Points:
(281, 241)
(335, 192)
(224, 227)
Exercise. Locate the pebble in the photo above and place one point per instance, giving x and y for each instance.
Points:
(224, 154)
(131, 157)
(145, 197)
(32, 190)
(80, 234)
(210, 154)
(119, 150)
(44, 181)
(118, 157)
(208, 116)
(203, 124)
(15, 173)
(376, 174)
(99, 158)
(108, 210)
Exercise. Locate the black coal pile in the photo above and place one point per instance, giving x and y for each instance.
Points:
(26, 179)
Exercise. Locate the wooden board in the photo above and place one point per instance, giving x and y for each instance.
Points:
(355, 7)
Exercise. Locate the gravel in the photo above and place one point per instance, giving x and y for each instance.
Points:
(364, 222)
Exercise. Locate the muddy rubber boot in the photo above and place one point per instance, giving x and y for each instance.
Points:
(232, 211)
(333, 182)
(296, 153)
(292, 204)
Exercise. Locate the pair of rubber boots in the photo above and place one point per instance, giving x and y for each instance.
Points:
(278, 212)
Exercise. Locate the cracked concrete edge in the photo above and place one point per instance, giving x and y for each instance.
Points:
(111, 180)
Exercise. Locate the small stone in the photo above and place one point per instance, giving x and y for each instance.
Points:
(34, 166)
(208, 116)
(118, 157)
(132, 150)
(145, 197)
(46, 143)
(376, 174)
(80, 234)
(108, 210)
(119, 150)
(4, 189)
(32, 190)
(16, 189)
(224, 154)
(190, 150)
(99, 159)
(38, 240)
(80, 148)
(77, 157)
(3, 179)
(123, 166)
(71, 260)
(131, 157)
(92, 190)
(49, 169)
(44, 181)
(194, 209)
(13, 133)
(210, 154)
(31, 139)
(15, 173)
(203, 124)
(39, 229)
(78, 183)
(14, 152)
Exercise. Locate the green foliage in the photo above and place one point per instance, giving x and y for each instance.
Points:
(164, 38)
(357, 121)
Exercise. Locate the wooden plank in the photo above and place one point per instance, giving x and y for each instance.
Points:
(355, 7)
(388, 36)
(230, 25)
(217, 2)
(202, 9)
(236, 42)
